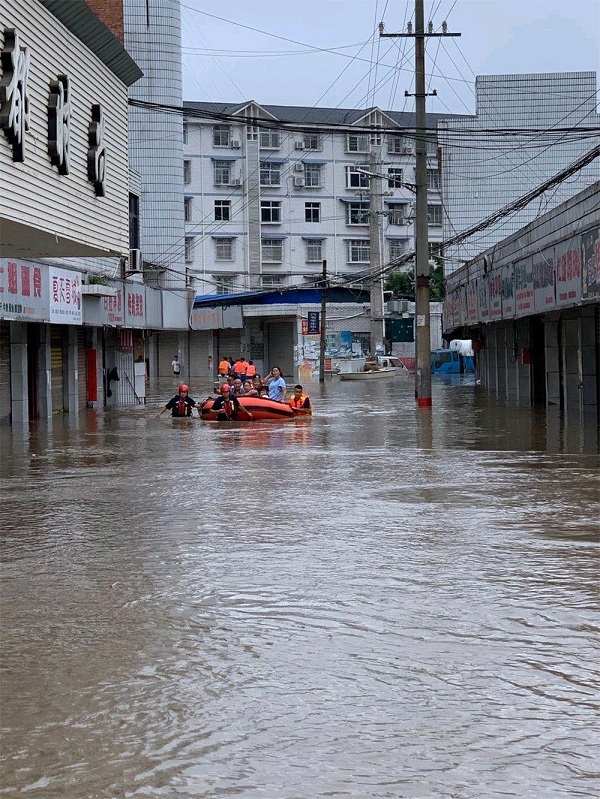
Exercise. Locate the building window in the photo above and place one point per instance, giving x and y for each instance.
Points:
(189, 249)
(357, 214)
(435, 248)
(185, 132)
(312, 175)
(270, 139)
(394, 144)
(187, 171)
(134, 222)
(272, 281)
(221, 135)
(359, 251)
(434, 214)
(272, 250)
(433, 179)
(397, 248)
(314, 251)
(222, 210)
(356, 180)
(357, 143)
(312, 141)
(270, 174)
(397, 214)
(222, 173)
(431, 147)
(395, 178)
(224, 249)
(270, 212)
(187, 209)
(312, 212)
(224, 284)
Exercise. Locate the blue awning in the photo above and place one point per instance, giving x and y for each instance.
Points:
(224, 158)
(297, 295)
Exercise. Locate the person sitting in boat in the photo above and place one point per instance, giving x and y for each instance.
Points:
(227, 406)
(249, 390)
(300, 402)
(230, 380)
(181, 404)
(238, 387)
(276, 384)
(263, 391)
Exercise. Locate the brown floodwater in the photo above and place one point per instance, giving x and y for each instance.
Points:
(375, 602)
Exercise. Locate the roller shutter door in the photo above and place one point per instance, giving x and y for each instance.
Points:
(81, 369)
(229, 344)
(56, 368)
(168, 346)
(5, 409)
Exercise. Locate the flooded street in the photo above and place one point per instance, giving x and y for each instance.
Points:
(374, 602)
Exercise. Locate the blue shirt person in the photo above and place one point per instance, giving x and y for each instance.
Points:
(276, 383)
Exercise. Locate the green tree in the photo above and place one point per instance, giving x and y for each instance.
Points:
(402, 283)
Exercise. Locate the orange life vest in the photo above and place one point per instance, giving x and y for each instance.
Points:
(250, 370)
(224, 367)
(298, 404)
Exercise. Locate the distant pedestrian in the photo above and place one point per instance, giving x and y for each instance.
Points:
(176, 366)
(223, 367)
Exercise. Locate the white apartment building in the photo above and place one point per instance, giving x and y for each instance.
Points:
(484, 169)
(272, 191)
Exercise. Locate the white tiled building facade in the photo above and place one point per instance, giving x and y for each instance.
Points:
(484, 169)
(264, 206)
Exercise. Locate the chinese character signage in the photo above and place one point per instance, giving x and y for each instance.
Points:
(524, 287)
(135, 305)
(314, 322)
(568, 271)
(590, 247)
(14, 98)
(65, 297)
(543, 281)
(23, 291)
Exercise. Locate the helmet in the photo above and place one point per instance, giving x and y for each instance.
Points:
(183, 388)
(225, 388)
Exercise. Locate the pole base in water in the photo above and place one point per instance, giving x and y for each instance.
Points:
(424, 402)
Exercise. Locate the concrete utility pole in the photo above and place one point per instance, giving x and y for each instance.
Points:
(422, 333)
(375, 214)
(323, 326)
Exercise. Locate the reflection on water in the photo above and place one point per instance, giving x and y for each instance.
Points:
(375, 602)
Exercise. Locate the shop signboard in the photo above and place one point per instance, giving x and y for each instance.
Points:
(462, 304)
(543, 280)
(24, 291)
(135, 305)
(472, 311)
(494, 286)
(568, 271)
(590, 250)
(508, 291)
(483, 300)
(523, 281)
(65, 297)
(206, 319)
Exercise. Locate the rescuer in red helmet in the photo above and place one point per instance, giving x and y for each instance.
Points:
(227, 406)
(181, 404)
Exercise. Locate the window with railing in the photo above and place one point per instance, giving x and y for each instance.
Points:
(272, 250)
(397, 214)
(397, 248)
(187, 171)
(358, 143)
(270, 174)
(312, 175)
(314, 250)
(189, 249)
(359, 251)
(224, 284)
(434, 214)
(221, 135)
(224, 249)
(357, 213)
(187, 209)
(270, 139)
(395, 178)
(272, 282)
(222, 170)
(433, 180)
(312, 141)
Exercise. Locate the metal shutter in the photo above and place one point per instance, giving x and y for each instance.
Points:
(56, 369)
(5, 409)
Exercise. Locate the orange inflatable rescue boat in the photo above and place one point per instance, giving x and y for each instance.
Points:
(261, 408)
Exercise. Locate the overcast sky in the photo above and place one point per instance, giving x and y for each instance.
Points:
(224, 61)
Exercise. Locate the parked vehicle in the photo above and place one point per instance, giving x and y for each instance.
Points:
(451, 362)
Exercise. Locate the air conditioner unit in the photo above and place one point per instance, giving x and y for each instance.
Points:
(298, 182)
(407, 151)
(236, 144)
(299, 145)
(236, 182)
(299, 167)
(135, 261)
